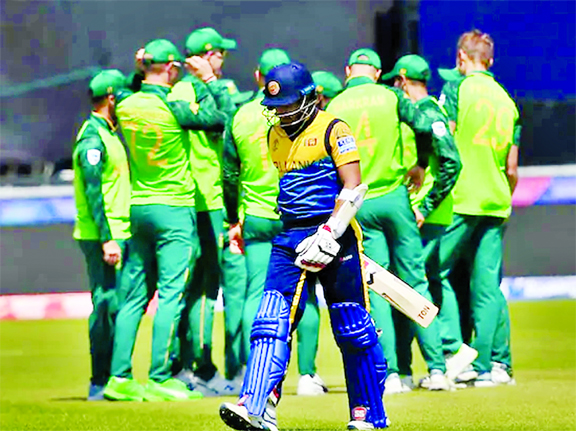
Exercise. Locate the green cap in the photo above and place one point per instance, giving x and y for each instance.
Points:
(271, 58)
(411, 66)
(237, 96)
(206, 39)
(327, 83)
(161, 51)
(450, 74)
(107, 82)
(365, 56)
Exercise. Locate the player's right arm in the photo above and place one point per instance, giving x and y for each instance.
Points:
(407, 113)
(449, 101)
(194, 107)
(445, 151)
(91, 156)
(230, 175)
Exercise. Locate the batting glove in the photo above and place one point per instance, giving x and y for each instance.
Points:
(317, 250)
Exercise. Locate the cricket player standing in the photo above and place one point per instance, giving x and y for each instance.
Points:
(487, 133)
(392, 238)
(164, 242)
(102, 224)
(196, 328)
(320, 192)
(432, 205)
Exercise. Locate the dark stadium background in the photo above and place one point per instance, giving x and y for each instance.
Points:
(56, 42)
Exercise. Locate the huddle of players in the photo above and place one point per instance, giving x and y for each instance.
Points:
(175, 207)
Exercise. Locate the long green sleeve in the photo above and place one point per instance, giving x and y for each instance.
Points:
(230, 175)
(447, 163)
(91, 154)
(407, 113)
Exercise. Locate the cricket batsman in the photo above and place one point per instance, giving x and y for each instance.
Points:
(249, 172)
(375, 112)
(487, 133)
(164, 242)
(102, 224)
(320, 193)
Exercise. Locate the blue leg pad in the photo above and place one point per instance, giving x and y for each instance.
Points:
(269, 352)
(364, 362)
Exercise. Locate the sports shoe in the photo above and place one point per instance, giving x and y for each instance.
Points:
(393, 385)
(123, 389)
(408, 382)
(169, 390)
(467, 375)
(502, 374)
(457, 363)
(187, 377)
(311, 385)
(96, 393)
(236, 416)
(217, 386)
(484, 380)
(435, 381)
(359, 420)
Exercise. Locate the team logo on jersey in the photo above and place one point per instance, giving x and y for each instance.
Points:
(439, 128)
(273, 88)
(346, 144)
(310, 142)
(442, 100)
(93, 156)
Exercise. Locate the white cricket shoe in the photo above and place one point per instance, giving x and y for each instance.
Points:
(360, 425)
(501, 374)
(435, 381)
(466, 376)
(484, 380)
(393, 385)
(237, 417)
(457, 363)
(217, 386)
(311, 385)
(408, 382)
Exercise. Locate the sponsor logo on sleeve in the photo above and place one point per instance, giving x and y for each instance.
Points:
(93, 156)
(439, 129)
(346, 144)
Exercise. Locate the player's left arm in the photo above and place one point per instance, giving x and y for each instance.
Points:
(512, 157)
(444, 148)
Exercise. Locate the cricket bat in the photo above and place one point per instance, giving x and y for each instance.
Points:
(399, 294)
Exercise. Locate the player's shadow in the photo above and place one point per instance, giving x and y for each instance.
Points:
(69, 399)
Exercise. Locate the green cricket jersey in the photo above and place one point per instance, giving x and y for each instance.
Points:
(374, 113)
(248, 168)
(206, 145)
(101, 183)
(159, 146)
(434, 199)
(487, 125)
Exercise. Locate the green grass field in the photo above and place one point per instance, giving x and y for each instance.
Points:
(44, 368)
